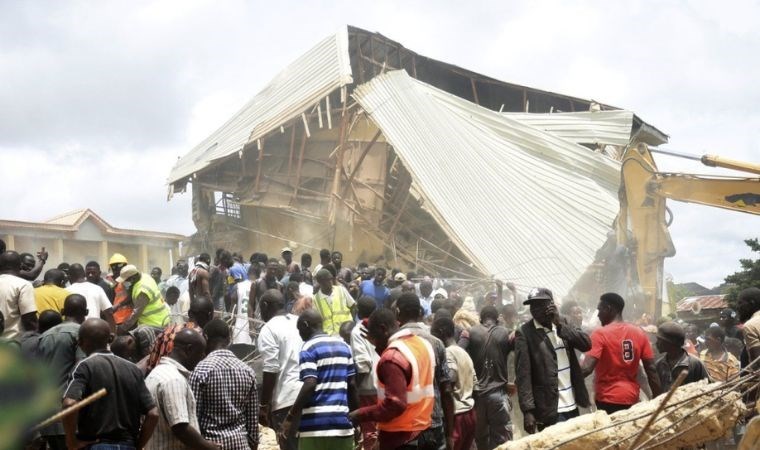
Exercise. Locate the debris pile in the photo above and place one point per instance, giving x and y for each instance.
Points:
(696, 413)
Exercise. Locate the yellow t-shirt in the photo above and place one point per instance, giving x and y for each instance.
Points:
(50, 296)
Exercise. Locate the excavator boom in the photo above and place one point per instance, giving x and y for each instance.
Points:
(642, 226)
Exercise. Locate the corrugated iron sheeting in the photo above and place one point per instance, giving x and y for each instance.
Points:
(307, 80)
(704, 302)
(588, 127)
(522, 204)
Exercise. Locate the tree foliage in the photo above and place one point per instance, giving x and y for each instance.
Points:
(676, 293)
(749, 276)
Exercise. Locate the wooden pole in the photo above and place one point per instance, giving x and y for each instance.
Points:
(363, 155)
(292, 145)
(656, 413)
(72, 409)
(260, 162)
(300, 164)
(400, 212)
(474, 91)
(338, 167)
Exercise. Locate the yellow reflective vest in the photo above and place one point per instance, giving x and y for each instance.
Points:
(156, 313)
(334, 309)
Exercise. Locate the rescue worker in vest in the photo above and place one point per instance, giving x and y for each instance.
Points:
(404, 379)
(122, 302)
(333, 302)
(149, 308)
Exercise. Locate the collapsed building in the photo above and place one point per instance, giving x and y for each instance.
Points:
(364, 146)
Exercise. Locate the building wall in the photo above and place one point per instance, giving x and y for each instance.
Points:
(308, 236)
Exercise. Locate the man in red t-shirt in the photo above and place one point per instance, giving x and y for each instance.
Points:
(616, 350)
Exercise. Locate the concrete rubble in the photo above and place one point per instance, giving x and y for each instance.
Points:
(702, 412)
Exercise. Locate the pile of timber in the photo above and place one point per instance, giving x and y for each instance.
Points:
(695, 414)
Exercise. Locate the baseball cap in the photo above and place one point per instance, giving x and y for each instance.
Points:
(127, 272)
(538, 294)
(286, 250)
(400, 277)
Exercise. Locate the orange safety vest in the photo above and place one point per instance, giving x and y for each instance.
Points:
(420, 395)
(120, 315)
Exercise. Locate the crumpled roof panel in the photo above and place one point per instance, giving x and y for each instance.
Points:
(523, 204)
(299, 86)
(587, 127)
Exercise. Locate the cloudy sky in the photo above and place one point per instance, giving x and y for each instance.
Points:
(99, 99)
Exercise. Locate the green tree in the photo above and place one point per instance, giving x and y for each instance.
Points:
(749, 276)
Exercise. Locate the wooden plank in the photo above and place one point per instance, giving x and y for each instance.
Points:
(382, 66)
(474, 91)
(300, 165)
(372, 53)
(258, 169)
(363, 155)
(338, 165)
(292, 147)
(400, 212)
(360, 63)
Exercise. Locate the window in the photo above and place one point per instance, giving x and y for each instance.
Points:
(226, 205)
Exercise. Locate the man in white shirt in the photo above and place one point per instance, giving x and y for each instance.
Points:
(16, 298)
(279, 345)
(98, 306)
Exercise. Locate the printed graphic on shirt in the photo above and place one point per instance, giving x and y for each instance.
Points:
(628, 350)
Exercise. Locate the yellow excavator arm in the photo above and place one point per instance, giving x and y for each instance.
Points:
(642, 225)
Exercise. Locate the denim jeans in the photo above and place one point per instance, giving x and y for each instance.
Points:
(112, 446)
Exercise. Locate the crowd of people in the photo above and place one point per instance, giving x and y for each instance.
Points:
(338, 356)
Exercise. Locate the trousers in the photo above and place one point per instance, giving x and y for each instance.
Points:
(494, 426)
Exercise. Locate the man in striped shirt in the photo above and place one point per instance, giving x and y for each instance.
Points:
(549, 379)
(321, 408)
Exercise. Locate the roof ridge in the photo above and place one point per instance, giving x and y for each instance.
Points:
(79, 211)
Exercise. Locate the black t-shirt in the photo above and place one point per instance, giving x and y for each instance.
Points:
(489, 348)
(107, 288)
(115, 417)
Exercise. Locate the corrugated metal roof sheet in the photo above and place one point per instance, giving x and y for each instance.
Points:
(522, 204)
(704, 302)
(302, 84)
(588, 127)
